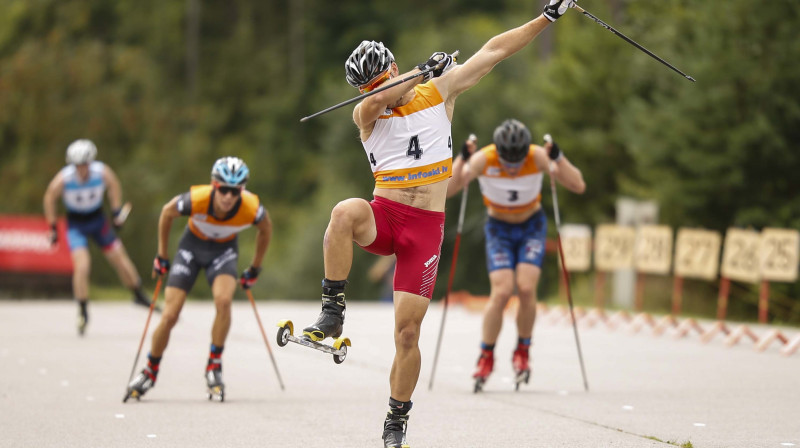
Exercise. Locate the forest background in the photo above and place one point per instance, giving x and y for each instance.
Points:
(165, 87)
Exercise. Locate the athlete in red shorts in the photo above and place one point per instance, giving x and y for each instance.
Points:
(406, 134)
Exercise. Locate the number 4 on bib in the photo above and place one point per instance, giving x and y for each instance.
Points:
(413, 148)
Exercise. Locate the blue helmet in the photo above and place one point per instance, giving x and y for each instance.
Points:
(230, 171)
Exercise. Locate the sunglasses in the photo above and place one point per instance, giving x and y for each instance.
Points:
(226, 190)
(376, 82)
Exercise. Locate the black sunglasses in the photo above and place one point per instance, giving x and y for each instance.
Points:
(223, 190)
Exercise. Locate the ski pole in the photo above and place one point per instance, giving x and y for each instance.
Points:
(464, 193)
(144, 333)
(631, 41)
(264, 335)
(549, 139)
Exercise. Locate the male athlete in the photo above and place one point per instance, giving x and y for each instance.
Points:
(82, 185)
(405, 131)
(217, 213)
(510, 174)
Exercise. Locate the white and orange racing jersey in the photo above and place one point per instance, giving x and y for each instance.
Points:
(510, 194)
(197, 204)
(411, 145)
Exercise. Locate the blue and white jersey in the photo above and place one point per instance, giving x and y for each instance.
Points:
(83, 197)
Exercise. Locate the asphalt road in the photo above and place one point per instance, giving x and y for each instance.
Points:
(61, 390)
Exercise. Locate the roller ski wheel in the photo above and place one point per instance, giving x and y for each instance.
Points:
(82, 323)
(479, 382)
(143, 382)
(484, 369)
(522, 377)
(216, 388)
(521, 367)
(338, 349)
(216, 393)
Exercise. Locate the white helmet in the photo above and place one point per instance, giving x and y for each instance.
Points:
(81, 151)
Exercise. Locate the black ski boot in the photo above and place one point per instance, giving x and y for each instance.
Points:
(83, 317)
(394, 430)
(396, 423)
(143, 382)
(330, 322)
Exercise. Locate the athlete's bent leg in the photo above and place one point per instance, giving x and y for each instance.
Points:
(409, 310)
(351, 221)
(222, 289)
(174, 298)
(81, 265)
(126, 271)
(502, 287)
(527, 282)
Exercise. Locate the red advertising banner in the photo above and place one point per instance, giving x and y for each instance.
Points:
(25, 246)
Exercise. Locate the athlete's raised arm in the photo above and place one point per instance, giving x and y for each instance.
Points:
(498, 48)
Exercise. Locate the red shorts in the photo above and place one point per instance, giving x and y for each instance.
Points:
(415, 237)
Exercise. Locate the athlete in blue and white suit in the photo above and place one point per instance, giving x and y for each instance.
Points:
(82, 185)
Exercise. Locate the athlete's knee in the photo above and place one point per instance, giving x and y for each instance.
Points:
(169, 318)
(527, 294)
(223, 305)
(501, 293)
(407, 336)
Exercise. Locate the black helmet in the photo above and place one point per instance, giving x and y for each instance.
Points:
(366, 62)
(513, 141)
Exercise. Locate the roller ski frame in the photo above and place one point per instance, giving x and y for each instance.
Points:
(137, 393)
(216, 393)
(338, 349)
(522, 376)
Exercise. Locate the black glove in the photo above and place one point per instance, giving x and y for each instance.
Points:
(438, 64)
(554, 152)
(557, 8)
(249, 277)
(160, 265)
(53, 235)
(465, 153)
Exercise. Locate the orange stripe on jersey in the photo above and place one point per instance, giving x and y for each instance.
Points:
(493, 162)
(514, 209)
(207, 227)
(414, 177)
(427, 95)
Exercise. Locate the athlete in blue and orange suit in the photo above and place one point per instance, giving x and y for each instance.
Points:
(510, 173)
(406, 133)
(82, 184)
(217, 213)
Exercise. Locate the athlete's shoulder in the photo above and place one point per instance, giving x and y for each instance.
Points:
(67, 171)
(200, 189)
(250, 199)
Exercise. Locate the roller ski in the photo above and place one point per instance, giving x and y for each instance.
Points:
(485, 367)
(216, 387)
(338, 349)
(522, 369)
(329, 324)
(143, 382)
